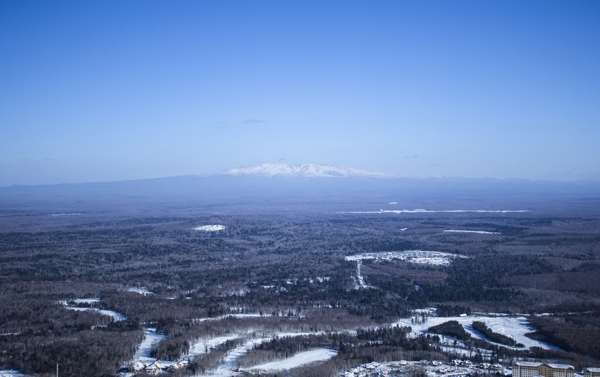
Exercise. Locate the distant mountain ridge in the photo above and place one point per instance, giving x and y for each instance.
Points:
(304, 170)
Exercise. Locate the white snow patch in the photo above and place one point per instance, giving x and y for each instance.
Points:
(235, 315)
(10, 373)
(203, 346)
(210, 228)
(359, 278)
(115, 316)
(228, 366)
(299, 359)
(140, 290)
(86, 300)
(304, 170)
(514, 327)
(456, 368)
(412, 256)
(143, 353)
(469, 231)
(442, 211)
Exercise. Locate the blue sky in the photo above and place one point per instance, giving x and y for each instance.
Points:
(114, 90)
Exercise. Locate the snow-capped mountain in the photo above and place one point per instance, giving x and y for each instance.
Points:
(303, 170)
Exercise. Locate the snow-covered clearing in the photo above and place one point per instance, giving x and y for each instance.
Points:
(412, 256)
(86, 300)
(115, 316)
(514, 327)
(234, 315)
(210, 228)
(203, 346)
(433, 368)
(469, 231)
(359, 278)
(140, 290)
(442, 211)
(228, 366)
(11, 373)
(143, 353)
(297, 360)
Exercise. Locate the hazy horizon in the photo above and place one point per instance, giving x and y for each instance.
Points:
(112, 91)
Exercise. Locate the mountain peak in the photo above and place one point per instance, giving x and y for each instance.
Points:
(303, 170)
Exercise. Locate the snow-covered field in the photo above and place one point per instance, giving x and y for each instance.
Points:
(143, 353)
(468, 231)
(140, 290)
(11, 373)
(297, 360)
(514, 327)
(226, 369)
(432, 368)
(210, 228)
(235, 315)
(443, 211)
(86, 300)
(413, 256)
(202, 346)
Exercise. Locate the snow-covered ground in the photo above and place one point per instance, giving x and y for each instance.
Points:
(442, 211)
(143, 353)
(303, 170)
(11, 373)
(468, 231)
(210, 228)
(412, 256)
(227, 367)
(140, 290)
(234, 315)
(86, 300)
(202, 346)
(115, 316)
(432, 368)
(360, 282)
(514, 327)
(298, 359)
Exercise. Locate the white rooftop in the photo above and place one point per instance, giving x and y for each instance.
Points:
(527, 364)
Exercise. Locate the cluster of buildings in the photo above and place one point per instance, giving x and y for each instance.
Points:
(531, 369)
(156, 367)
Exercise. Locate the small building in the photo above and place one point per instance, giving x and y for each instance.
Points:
(591, 372)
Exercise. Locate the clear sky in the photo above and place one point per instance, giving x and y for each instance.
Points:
(114, 90)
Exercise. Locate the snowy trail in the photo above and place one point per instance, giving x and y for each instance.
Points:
(514, 327)
(210, 228)
(115, 315)
(11, 373)
(468, 231)
(359, 277)
(227, 368)
(203, 346)
(298, 359)
(143, 353)
(242, 315)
